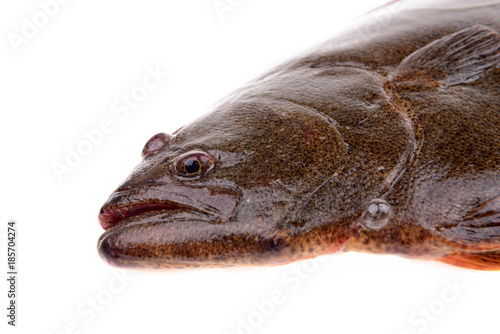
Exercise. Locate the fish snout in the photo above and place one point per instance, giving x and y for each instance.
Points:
(156, 143)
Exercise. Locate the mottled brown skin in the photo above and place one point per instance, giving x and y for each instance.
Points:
(302, 155)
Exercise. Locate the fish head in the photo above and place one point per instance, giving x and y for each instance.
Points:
(224, 190)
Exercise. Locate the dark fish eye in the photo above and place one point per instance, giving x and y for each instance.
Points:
(191, 164)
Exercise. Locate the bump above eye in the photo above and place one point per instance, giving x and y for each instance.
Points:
(156, 143)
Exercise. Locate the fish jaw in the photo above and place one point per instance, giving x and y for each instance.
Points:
(142, 208)
(111, 217)
(180, 239)
(217, 203)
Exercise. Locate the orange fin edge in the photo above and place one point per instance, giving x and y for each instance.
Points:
(485, 261)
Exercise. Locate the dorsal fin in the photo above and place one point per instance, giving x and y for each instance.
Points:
(461, 57)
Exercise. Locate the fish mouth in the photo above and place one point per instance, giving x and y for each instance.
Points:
(111, 217)
(215, 204)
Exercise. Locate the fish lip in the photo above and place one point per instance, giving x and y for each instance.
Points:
(112, 216)
(126, 203)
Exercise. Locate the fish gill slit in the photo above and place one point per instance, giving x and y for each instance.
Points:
(415, 142)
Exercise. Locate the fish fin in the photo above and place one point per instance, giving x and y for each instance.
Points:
(484, 261)
(479, 229)
(458, 58)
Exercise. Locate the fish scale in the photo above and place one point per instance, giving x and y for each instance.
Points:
(384, 139)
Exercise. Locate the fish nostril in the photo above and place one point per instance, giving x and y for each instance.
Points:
(156, 142)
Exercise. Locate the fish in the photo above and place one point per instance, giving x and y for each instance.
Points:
(384, 139)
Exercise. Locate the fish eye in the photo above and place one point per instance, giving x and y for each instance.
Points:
(193, 164)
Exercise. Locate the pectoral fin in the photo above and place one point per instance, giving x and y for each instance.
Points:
(461, 57)
(479, 229)
(476, 239)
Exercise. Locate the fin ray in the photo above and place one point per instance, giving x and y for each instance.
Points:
(484, 261)
(479, 229)
(461, 57)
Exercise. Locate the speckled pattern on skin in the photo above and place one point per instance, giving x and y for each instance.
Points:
(381, 141)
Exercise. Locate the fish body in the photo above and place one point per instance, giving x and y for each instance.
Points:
(385, 139)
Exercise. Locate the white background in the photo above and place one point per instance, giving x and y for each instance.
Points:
(65, 79)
